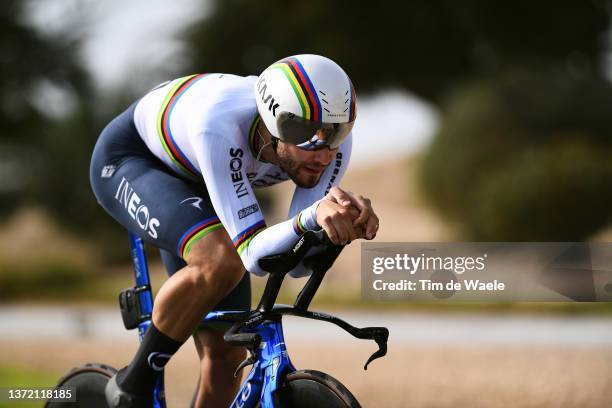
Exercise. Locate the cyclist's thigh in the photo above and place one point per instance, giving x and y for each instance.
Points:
(238, 299)
(143, 195)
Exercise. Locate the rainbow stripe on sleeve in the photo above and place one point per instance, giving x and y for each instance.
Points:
(195, 233)
(179, 159)
(298, 227)
(243, 239)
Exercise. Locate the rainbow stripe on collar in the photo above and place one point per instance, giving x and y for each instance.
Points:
(243, 239)
(252, 133)
(179, 159)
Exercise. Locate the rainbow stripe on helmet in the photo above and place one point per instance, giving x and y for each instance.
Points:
(352, 111)
(302, 86)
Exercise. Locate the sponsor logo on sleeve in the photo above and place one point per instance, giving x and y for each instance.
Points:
(335, 172)
(235, 165)
(246, 211)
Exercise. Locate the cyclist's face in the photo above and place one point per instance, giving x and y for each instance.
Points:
(304, 167)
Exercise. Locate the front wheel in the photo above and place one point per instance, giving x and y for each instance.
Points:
(314, 389)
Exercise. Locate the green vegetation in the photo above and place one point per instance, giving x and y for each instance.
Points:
(524, 157)
(11, 376)
(49, 278)
(28, 377)
(423, 46)
(61, 282)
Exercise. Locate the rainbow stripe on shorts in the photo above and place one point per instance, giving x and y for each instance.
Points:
(195, 233)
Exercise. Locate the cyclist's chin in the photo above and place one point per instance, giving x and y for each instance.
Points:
(302, 174)
(305, 179)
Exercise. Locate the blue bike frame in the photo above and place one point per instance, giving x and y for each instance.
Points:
(141, 271)
(272, 364)
(273, 361)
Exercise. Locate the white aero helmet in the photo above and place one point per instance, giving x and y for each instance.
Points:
(306, 100)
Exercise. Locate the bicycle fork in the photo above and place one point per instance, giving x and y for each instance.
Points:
(271, 365)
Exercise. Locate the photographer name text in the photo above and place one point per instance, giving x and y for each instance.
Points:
(412, 265)
(429, 285)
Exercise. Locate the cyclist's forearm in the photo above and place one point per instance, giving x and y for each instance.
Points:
(277, 238)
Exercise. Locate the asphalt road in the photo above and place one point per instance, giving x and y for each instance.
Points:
(405, 328)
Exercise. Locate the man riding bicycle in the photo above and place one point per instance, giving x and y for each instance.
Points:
(233, 133)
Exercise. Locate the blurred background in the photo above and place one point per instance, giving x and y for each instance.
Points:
(477, 121)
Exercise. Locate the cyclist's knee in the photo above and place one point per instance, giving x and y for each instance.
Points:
(214, 263)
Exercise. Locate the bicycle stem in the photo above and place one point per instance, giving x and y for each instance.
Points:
(279, 265)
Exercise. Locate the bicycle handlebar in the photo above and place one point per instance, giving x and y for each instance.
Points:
(286, 261)
(280, 264)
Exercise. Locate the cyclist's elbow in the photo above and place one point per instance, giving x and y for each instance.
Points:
(251, 264)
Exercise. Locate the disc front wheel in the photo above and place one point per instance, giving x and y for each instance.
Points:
(314, 389)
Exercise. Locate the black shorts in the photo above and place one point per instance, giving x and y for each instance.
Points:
(143, 195)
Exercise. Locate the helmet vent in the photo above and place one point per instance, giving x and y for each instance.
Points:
(325, 101)
(322, 93)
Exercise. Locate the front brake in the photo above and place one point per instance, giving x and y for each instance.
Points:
(250, 360)
(251, 341)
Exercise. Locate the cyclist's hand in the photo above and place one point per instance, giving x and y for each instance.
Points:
(338, 195)
(367, 221)
(337, 221)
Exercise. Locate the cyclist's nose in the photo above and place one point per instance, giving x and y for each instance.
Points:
(323, 156)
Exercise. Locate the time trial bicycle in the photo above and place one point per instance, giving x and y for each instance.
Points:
(273, 380)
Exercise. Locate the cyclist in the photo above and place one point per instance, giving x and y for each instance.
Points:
(178, 168)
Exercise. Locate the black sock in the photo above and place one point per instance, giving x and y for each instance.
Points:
(155, 350)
